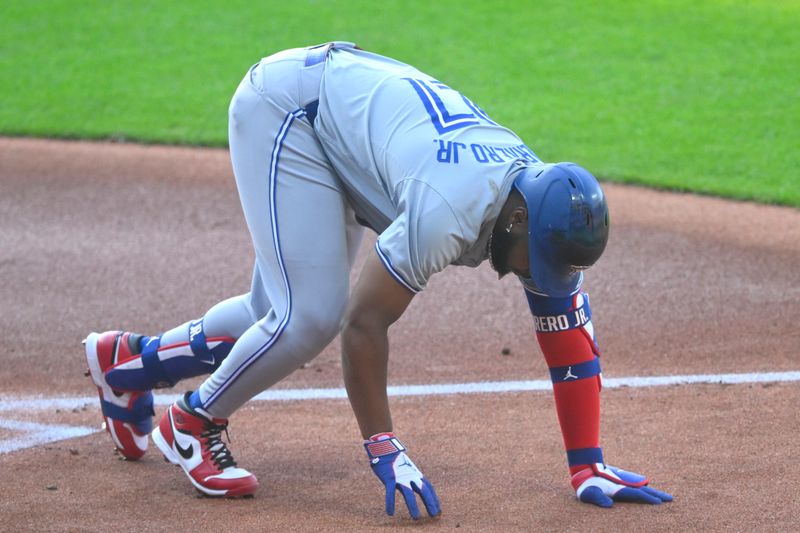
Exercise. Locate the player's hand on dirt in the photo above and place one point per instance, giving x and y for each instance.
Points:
(603, 485)
(398, 473)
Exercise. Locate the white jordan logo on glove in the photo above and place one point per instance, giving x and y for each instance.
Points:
(409, 474)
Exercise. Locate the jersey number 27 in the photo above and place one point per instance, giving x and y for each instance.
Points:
(432, 92)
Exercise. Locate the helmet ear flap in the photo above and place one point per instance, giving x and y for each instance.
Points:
(567, 224)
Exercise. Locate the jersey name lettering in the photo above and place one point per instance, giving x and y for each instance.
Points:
(451, 152)
(572, 320)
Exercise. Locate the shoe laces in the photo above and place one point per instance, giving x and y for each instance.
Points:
(220, 453)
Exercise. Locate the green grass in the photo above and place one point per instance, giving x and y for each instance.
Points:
(679, 94)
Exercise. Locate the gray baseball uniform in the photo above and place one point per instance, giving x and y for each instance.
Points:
(420, 164)
(323, 142)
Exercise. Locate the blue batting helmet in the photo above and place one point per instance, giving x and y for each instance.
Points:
(567, 224)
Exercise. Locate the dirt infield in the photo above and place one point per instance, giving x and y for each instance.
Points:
(98, 236)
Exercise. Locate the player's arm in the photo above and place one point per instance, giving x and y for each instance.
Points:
(566, 336)
(377, 301)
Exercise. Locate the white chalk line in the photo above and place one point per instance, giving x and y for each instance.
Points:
(35, 434)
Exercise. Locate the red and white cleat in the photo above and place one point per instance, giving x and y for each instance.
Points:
(192, 439)
(127, 415)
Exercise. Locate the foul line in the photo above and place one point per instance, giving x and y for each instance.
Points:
(40, 403)
(34, 434)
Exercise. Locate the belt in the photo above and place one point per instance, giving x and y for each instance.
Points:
(316, 55)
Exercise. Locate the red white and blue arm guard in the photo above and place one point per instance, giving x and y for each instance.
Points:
(566, 336)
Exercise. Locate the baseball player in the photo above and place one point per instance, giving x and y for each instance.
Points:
(324, 142)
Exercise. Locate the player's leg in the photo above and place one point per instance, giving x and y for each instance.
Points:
(194, 348)
(304, 237)
(298, 221)
(125, 366)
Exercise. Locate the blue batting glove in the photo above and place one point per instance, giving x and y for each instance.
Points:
(603, 485)
(398, 473)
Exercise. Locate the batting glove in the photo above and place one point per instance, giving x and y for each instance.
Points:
(603, 485)
(398, 473)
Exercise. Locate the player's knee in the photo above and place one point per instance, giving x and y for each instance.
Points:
(318, 325)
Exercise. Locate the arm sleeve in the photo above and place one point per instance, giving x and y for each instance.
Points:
(566, 336)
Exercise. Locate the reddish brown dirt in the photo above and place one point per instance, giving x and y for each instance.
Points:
(100, 236)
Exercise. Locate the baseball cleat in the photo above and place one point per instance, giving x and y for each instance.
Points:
(192, 439)
(127, 415)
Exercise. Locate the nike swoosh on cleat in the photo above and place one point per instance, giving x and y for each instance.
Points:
(186, 453)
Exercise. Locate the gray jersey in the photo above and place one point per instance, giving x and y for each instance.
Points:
(416, 161)
(421, 164)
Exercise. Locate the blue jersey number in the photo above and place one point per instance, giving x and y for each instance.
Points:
(431, 93)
